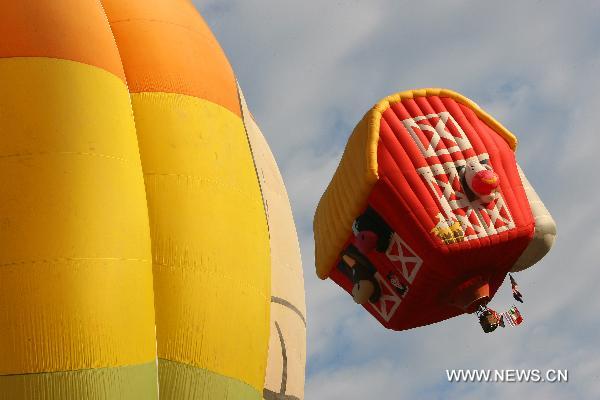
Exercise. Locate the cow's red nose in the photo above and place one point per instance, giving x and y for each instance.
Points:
(365, 241)
(484, 182)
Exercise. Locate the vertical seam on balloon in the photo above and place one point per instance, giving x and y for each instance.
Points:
(260, 185)
(139, 159)
(269, 283)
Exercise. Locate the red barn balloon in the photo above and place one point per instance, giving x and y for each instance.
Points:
(428, 211)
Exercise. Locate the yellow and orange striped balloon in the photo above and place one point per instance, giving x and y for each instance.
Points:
(134, 231)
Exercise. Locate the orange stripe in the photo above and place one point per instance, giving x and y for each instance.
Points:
(167, 47)
(75, 30)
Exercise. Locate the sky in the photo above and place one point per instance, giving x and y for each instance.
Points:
(311, 69)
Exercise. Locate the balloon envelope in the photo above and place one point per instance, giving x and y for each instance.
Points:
(435, 177)
(135, 230)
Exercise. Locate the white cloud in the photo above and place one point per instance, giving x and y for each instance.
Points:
(310, 70)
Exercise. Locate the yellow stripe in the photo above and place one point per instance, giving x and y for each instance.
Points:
(75, 274)
(209, 236)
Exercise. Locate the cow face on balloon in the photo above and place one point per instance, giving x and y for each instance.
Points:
(371, 234)
(479, 180)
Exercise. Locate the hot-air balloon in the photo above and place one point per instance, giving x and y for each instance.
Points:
(146, 239)
(428, 211)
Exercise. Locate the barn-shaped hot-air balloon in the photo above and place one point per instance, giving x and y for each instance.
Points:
(428, 212)
(143, 220)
